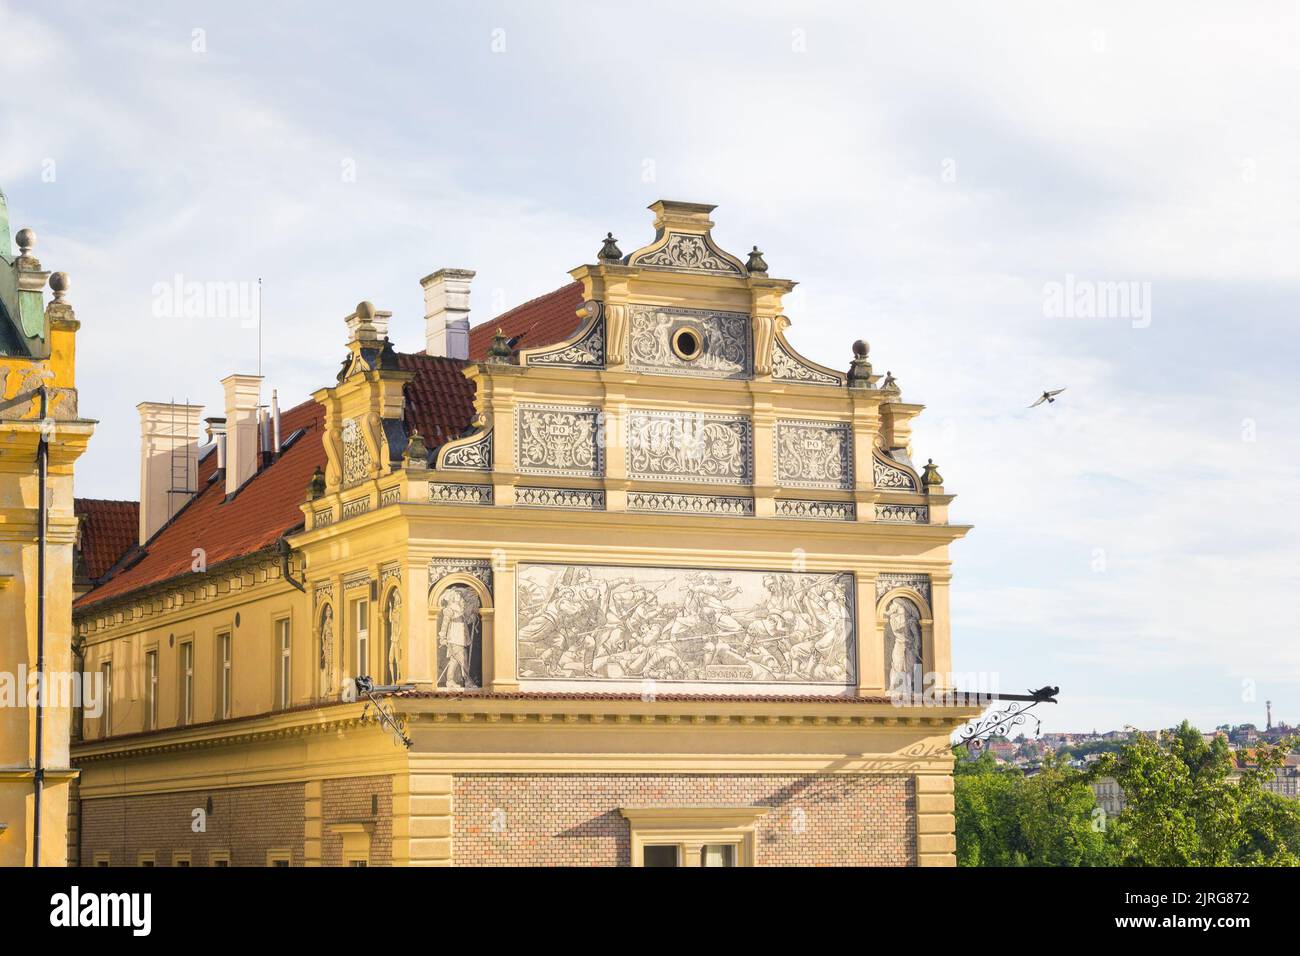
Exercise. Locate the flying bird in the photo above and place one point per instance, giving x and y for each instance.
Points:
(1048, 396)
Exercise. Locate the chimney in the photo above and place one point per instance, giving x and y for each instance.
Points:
(217, 435)
(243, 396)
(169, 461)
(446, 312)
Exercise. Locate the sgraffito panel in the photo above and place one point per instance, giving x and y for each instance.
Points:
(684, 629)
(725, 350)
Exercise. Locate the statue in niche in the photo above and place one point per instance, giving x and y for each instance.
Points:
(903, 642)
(326, 650)
(393, 638)
(460, 628)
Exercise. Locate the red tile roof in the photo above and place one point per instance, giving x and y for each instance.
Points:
(108, 530)
(440, 403)
(549, 318)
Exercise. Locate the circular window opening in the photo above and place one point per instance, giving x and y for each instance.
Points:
(688, 343)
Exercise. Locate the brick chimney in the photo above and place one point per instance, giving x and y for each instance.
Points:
(243, 396)
(446, 312)
(169, 461)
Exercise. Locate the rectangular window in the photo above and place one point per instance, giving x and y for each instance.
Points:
(662, 854)
(219, 858)
(277, 857)
(362, 625)
(101, 859)
(106, 722)
(151, 690)
(223, 676)
(145, 858)
(186, 715)
(180, 858)
(283, 662)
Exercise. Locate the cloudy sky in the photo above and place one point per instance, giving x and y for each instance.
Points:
(930, 173)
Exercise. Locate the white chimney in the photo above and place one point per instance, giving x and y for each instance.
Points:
(446, 312)
(169, 461)
(243, 398)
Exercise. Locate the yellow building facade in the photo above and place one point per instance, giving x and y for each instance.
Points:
(41, 437)
(638, 583)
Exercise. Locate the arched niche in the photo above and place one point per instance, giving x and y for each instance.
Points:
(393, 664)
(461, 615)
(912, 617)
(327, 635)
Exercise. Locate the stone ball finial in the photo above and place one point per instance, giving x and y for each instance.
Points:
(861, 348)
(366, 311)
(26, 239)
(59, 285)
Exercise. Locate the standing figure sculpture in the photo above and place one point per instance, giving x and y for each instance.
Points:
(327, 651)
(903, 638)
(394, 649)
(458, 639)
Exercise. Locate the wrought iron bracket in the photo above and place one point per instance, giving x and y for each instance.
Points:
(999, 720)
(383, 711)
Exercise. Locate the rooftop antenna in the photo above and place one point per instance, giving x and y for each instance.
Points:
(182, 479)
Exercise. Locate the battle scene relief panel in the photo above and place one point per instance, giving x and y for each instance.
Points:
(633, 628)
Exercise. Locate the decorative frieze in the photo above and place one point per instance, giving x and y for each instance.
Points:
(558, 440)
(355, 580)
(357, 506)
(727, 505)
(787, 367)
(470, 454)
(886, 581)
(580, 499)
(816, 510)
(814, 454)
(390, 496)
(439, 568)
(892, 477)
(457, 494)
(323, 594)
(689, 446)
(390, 572)
(719, 342)
(322, 518)
(903, 514)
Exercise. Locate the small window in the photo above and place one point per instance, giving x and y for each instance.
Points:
(662, 854)
(101, 859)
(688, 343)
(106, 722)
(277, 857)
(223, 676)
(283, 663)
(151, 690)
(219, 858)
(718, 854)
(186, 715)
(181, 858)
(145, 858)
(361, 625)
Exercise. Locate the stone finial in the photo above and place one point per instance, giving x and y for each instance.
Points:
(931, 475)
(890, 383)
(366, 312)
(26, 239)
(499, 350)
(316, 487)
(860, 369)
(610, 252)
(59, 285)
(417, 452)
(756, 264)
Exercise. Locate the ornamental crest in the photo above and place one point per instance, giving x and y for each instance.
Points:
(788, 368)
(558, 440)
(687, 446)
(685, 252)
(892, 477)
(587, 351)
(474, 455)
(814, 454)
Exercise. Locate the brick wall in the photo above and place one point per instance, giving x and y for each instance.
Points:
(357, 799)
(246, 821)
(574, 819)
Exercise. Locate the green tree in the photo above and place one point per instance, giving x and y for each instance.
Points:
(1005, 818)
(1189, 805)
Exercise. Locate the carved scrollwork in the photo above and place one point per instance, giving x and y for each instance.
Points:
(725, 352)
(786, 367)
(687, 446)
(814, 454)
(892, 477)
(472, 453)
(686, 252)
(558, 440)
(586, 350)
